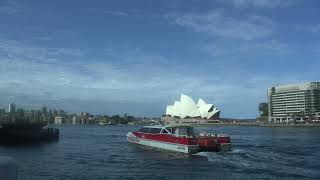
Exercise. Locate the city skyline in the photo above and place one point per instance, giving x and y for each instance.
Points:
(113, 57)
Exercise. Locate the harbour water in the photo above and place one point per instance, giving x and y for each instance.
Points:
(96, 152)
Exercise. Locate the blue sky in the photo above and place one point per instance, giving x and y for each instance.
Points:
(136, 57)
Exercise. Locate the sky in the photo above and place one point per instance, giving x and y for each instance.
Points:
(136, 57)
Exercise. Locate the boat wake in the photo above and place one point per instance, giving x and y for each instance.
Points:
(242, 157)
(235, 158)
(258, 162)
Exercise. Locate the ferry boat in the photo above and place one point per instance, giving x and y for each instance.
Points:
(179, 138)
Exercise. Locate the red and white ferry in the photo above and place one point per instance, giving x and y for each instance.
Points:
(179, 138)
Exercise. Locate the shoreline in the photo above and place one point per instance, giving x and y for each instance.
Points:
(263, 125)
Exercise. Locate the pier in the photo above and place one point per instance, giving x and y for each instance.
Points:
(13, 132)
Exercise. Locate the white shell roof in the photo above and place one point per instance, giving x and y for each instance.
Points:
(186, 107)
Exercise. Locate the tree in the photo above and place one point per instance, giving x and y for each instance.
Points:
(310, 118)
(263, 109)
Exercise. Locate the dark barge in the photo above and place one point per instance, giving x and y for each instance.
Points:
(12, 132)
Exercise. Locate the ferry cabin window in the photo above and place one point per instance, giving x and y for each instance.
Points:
(182, 131)
(185, 131)
(172, 130)
(144, 130)
(190, 131)
(164, 131)
(155, 130)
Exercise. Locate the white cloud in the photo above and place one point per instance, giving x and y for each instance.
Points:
(311, 28)
(13, 48)
(260, 3)
(43, 72)
(8, 7)
(242, 49)
(315, 28)
(216, 24)
(61, 74)
(234, 37)
(8, 10)
(116, 13)
(37, 70)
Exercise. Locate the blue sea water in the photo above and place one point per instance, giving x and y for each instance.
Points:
(95, 152)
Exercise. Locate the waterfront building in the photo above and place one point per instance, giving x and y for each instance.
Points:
(74, 120)
(58, 120)
(20, 113)
(294, 102)
(187, 111)
(37, 116)
(12, 108)
(2, 111)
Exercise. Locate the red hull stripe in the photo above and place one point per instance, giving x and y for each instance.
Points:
(166, 138)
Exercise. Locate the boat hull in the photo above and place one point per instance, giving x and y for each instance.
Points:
(214, 143)
(183, 148)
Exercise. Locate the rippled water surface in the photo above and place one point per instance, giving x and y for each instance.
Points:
(94, 152)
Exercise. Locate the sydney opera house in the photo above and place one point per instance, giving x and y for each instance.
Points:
(187, 109)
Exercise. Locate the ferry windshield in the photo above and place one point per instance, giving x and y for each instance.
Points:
(185, 131)
(182, 131)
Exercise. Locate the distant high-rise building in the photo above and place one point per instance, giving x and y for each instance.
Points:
(61, 112)
(12, 108)
(33, 113)
(2, 111)
(37, 116)
(293, 102)
(55, 113)
(50, 113)
(44, 111)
